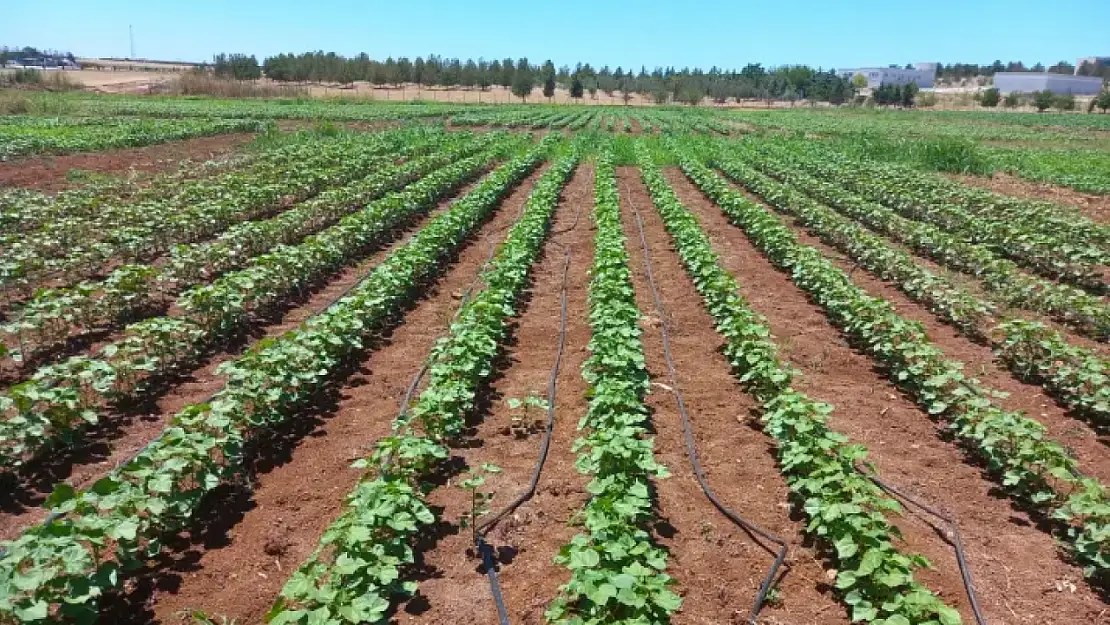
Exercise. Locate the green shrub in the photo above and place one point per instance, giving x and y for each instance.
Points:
(990, 97)
(955, 155)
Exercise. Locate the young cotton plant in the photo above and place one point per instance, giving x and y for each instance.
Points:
(1032, 467)
(846, 511)
(617, 572)
(357, 567)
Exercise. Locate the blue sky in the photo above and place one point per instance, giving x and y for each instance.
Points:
(614, 32)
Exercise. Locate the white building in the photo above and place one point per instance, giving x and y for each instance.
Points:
(1028, 82)
(924, 74)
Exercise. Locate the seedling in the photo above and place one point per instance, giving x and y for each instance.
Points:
(527, 417)
(479, 499)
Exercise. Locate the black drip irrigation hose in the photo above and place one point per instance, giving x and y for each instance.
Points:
(952, 537)
(691, 447)
(545, 446)
(483, 547)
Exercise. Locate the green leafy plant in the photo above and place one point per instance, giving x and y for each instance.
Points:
(472, 482)
(524, 421)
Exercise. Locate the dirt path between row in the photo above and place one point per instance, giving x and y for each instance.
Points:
(1089, 447)
(1096, 207)
(717, 566)
(51, 173)
(453, 588)
(126, 429)
(300, 486)
(1019, 574)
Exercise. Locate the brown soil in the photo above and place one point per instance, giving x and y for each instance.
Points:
(1096, 207)
(300, 486)
(48, 173)
(125, 431)
(637, 129)
(718, 567)
(453, 588)
(1089, 447)
(1019, 574)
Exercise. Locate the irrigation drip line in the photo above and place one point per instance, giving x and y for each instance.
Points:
(483, 547)
(691, 447)
(545, 446)
(952, 537)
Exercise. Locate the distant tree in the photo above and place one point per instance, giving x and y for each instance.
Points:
(1103, 101)
(1063, 67)
(1042, 100)
(505, 79)
(576, 88)
(1063, 102)
(1012, 100)
(990, 97)
(523, 81)
(591, 86)
(909, 94)
(549, 86)
(859, 81)
(660, 95)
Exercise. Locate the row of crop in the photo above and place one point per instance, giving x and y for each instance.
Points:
(1033, 469)
(616, 571)
(77, 248)
(846, 511)
(1048, 248)
(23, 139)
(1074, 375)
(53, 316)
(68, 215)
(64, 566)
(357, 568)
(1003, 279)
(58, 402)
(22, 210)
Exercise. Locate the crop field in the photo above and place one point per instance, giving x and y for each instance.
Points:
(338, 362)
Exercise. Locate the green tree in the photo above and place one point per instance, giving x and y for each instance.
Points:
(859, 81)
(1103, 101)
(1012, 100)
(1042, 100)
(1064, 102)
(549, 86)
(990, 97)
(576, 88)
(909, 94)
(523, 81)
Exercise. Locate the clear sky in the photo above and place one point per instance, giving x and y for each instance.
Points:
(725, 33)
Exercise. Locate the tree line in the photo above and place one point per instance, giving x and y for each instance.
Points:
(522, 77)
(971, 70)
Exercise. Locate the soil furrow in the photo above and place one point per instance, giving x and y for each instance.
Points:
(125, 430)
(52, 173)
(453, 588)
(1088, 446)
(300, 484)
(717, 565)
(1018, 571)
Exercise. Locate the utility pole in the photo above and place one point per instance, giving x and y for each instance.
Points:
(131, 32)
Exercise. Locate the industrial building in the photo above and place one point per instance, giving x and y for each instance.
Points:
(924, 74)
(1028, 82)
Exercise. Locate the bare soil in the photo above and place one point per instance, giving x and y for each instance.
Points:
(1019, 573)
(51, 173)
(718, 566)
(453, 587)
(1095, 207)
(300, 485)
(126, 429)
